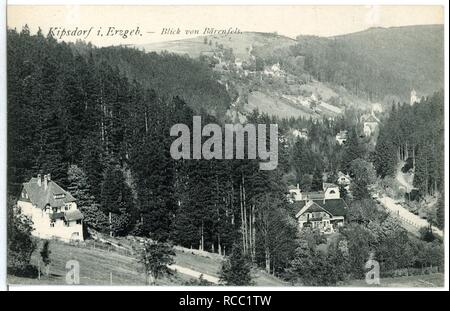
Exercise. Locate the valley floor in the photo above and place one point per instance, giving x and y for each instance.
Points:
(108, 267)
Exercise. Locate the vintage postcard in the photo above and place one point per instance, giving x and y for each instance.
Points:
(291, 146)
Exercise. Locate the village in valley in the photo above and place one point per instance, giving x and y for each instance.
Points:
(359, 179)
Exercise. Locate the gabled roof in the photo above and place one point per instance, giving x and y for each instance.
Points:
(315, 195)
(53, 195)
(370, 118)
(311, 207)
(340, 174)
(291, 187)
(335, 207)
(327, 185)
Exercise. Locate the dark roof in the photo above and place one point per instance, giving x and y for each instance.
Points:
(53, 195)
(314, 195)
(336, 207)
(56, 216)
(73, 215)
(327, 185)
(314, 208)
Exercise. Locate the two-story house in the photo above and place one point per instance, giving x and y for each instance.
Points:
(52, 209)
(323, 215)
(319, 210)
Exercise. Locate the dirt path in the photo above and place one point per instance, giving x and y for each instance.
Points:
(406, 216)
(194, 273)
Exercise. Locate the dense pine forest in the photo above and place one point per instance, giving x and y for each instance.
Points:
(99, 119)
(106, 138)
(417, 133)
(373, 63)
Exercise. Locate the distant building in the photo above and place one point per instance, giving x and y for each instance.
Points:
(343, 179)
(377, 108)
(302, 133)
(414, 98)
(273, 71)
(238, 62)
(329, 191)
(341, 137)
(295, 194)
(52, 209)
(370, 124)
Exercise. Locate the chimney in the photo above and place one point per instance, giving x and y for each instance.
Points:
(48, 177)
(39, 180)
(45, 182)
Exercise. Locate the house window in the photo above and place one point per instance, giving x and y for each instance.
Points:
(79, 222)
(52, 224)
(332, 192)
(59, 196)
(66, 207)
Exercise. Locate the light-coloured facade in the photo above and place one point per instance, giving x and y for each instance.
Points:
(414, 98)
(53, 210)
(370, 124)
(316, 217)
(341, 137)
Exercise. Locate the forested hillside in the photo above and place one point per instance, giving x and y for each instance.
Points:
(374, 63)
(98, 120)
(415, 132)
(106, 138)
(170, 75)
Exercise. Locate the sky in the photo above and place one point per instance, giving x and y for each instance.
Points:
(290, 21)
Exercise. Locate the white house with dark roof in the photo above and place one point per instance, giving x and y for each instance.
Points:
(52, 209)
(319, 210)
(323, 215)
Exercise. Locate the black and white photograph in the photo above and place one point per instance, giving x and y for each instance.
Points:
(243, 146)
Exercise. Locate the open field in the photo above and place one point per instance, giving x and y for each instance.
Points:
(268, 104)
(97, 267)
(240, 43)
(428, 280)
(103, 267)
(100, 266)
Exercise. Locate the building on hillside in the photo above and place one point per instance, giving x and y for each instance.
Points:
(370, 124)
(273, 71)
(343, 180)
(414, 98)
(323, 215)
(52, 209)
(238, 62)
(341, 137)
(329, 191)
(295, 194)
(377, 108)
(302, 133)
(323, 210)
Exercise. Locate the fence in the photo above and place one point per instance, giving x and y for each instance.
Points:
(412, 271)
